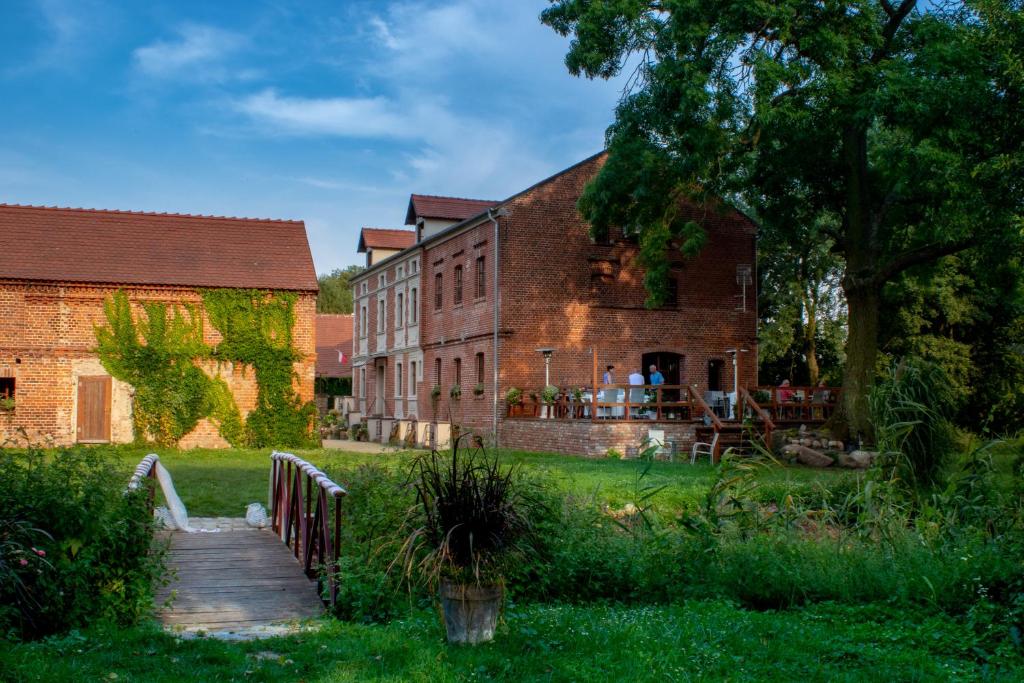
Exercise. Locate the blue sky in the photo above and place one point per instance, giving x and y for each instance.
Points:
(330, 112)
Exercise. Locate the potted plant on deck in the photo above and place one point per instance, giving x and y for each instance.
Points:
(470, 523)
(548, 396)
(514, 400)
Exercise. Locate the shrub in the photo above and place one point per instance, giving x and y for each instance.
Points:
(375, 509)
(513, 396)
(549, 394)
(478, 390)
(455, 392)
(910, 410)
(91, 542)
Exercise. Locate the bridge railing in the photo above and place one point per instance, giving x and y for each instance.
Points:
(305, 511)
(145, 468)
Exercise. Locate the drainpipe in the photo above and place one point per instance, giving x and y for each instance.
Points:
(493, 216)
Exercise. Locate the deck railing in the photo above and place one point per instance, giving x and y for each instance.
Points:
(145, 469)
(305, 511)
(755, 411)
(799, 404)
(624, 402)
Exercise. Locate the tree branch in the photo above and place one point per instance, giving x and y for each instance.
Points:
(889, 32)
(917, 256)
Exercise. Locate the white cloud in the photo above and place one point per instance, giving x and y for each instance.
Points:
(355, 117)
(197, 54)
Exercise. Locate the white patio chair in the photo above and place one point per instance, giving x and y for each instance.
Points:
(637, 397)
(616, 396)
(702, 448)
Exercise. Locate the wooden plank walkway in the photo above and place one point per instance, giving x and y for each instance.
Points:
(237, 579)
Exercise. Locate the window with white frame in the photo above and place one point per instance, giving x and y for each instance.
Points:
(412, 378)
(399, 310)
(380, 316)
(398, 379)
(413, 306)
(362, 322)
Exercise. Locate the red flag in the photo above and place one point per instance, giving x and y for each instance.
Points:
(341, 357)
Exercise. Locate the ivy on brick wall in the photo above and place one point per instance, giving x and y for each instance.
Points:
(157, 355)
(257, 330)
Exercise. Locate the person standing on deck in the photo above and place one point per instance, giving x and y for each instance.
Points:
(656, 377)
(608, 377)
(636, 378)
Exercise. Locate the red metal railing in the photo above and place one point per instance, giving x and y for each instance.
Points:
(145, 468)
(305, 511)
(625, 402)
(804, 404)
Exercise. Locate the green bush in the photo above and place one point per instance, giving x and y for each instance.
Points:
(910, 411)
(91, 543)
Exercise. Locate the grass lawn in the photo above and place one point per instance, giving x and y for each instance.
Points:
(704, 640)
(223, 482)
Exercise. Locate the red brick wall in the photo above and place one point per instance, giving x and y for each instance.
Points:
(591, 440)
(550, 298)
(47, 338)
(460, 331)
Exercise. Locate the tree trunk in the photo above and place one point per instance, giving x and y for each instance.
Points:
(863, 293)
(861, 357)
(811, 346)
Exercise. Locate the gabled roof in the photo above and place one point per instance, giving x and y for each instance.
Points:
(446, 208)
(333, 334)
(385, 238)
(137, 248)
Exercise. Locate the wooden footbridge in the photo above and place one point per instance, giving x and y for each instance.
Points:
(230, 577)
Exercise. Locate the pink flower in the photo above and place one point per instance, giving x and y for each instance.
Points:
(24, 562)
(40, 553)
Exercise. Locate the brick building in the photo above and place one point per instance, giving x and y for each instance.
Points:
(502, 279)
(61, 265)
(333, 356)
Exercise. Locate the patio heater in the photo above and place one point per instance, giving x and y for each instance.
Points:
(547, 364)
(735, 353)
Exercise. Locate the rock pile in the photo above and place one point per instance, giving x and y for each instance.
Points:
(818, 449)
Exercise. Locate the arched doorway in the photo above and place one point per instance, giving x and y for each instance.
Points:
(670, 365)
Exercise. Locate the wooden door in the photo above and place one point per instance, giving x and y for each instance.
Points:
(93, 409)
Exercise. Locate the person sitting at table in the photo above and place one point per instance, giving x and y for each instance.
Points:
(608, 376)
(784, 393)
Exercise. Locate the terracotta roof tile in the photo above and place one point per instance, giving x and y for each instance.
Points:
(129, 247)
(385, 238)
(449, 208)
(333, 334)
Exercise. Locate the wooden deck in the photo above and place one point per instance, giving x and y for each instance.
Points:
(237, 579)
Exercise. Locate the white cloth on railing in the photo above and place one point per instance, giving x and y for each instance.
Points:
(177, 517)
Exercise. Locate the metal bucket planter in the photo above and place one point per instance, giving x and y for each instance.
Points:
(470, 612)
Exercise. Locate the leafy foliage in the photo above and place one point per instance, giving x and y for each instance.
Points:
(895, 127)
(74, 548)
(155, 355)
(335, 291)
(256, 330)
(158, 355)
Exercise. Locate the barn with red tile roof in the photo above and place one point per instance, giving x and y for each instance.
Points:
(60, 266)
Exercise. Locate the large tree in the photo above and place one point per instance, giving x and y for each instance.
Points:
(802, 313)
(335, 291)
(903, 123)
